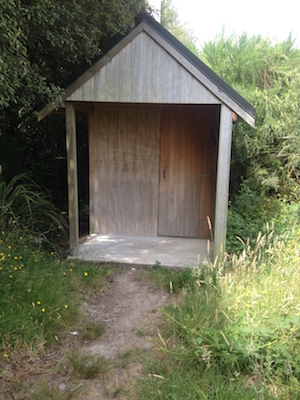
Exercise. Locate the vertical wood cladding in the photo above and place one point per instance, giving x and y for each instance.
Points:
(125, 181)
(187, 172)
(152, 169)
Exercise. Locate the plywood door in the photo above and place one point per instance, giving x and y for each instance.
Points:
(187, 174)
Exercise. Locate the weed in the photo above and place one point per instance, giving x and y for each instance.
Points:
(87, 366)
(162, 276)
(46, 391)
(93, 330)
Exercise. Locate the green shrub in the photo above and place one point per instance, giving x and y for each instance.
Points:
(251, 212)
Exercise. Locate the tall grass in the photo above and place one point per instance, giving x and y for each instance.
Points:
(236, 334)
(25, 206)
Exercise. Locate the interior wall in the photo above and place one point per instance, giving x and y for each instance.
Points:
(124, 169)
(127, 169)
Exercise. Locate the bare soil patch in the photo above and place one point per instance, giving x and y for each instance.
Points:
(129, 307)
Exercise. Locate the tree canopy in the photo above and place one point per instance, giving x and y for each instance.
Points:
(171, 21)
(42, 42)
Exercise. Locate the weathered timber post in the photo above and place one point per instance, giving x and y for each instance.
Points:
(72, 179)
(223, 175)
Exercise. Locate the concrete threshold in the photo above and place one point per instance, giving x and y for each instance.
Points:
(168, 251)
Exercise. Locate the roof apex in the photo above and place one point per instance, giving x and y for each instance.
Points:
(144, 22)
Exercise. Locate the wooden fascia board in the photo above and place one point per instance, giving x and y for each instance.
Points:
(92, 71)
(48, 110)
(200, 76)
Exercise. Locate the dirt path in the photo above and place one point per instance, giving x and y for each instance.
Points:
(129, 307)
(123, 308)
(129, 310)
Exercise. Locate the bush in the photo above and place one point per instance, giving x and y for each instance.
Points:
(251, 212)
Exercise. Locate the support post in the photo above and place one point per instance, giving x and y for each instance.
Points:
(223, 175)
(72, 179)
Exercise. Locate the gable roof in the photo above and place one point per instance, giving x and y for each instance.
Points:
(113, 73)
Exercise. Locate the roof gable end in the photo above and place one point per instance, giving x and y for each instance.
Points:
(143, 72)
(149, 65)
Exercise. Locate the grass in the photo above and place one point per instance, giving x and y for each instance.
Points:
(46, 391)
(236, 333)
(27, 207)
(87, 366)
(161, 276)
(40, 293)
(92, 330)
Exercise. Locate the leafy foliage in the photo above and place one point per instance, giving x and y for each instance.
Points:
(251, 213)
(268, 75)
(170, 20)
(42, 43)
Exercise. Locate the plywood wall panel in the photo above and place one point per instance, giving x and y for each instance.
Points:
(143, 72)
(126, 163)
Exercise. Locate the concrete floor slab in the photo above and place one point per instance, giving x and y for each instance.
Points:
(169, 251)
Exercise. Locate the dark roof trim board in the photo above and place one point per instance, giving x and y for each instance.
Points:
(176, 49)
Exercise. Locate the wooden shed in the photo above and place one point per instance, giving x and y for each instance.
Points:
(160, 129)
